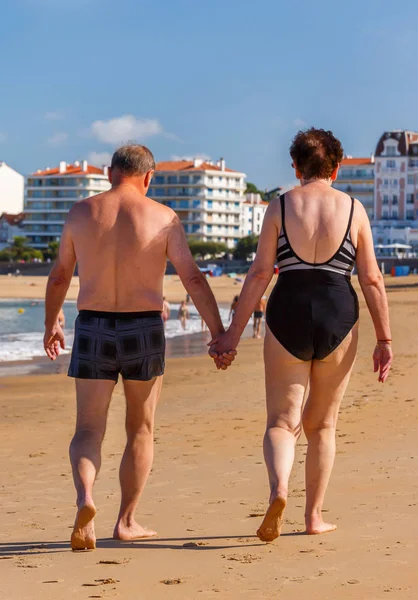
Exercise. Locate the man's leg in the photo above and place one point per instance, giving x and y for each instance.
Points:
(286, 381)
(141, 401)
(255, 327)
(93, 399)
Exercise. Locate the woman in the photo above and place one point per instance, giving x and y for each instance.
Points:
(233, 307)
(183, 314)
(316, 234)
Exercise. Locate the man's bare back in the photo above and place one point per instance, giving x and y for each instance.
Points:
(120, 239)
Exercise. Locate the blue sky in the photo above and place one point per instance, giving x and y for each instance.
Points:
(229, 78)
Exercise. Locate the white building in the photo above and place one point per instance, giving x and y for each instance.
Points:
(356, 178)
(253, 211)
(11, 190)
(396, 188)
(51, 193)
(10, 227)
(207, 197)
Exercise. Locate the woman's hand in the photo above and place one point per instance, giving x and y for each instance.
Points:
(222, 349)
(382, 359)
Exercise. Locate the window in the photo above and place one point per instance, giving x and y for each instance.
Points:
(183, 203)
(197, 179)
(184, 179)
(410, 198)
(411, 179)
(385, 199)
(209, 228)
(394, 199)
(391, 164)
(410, 215)
(150, 192)
(415, 150)
(391, 150)
(159, 179)
(160, 192)
(195, 228)
(196, 203)
(394, 214)
(395, 182)
(172, 179)
(210, 204)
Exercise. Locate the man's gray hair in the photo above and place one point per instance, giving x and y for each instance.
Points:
(133, 160)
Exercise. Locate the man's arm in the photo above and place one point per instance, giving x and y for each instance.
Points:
(58, 283)
(194, 281)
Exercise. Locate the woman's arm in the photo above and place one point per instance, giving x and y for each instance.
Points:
(257, 280)
(373, 287)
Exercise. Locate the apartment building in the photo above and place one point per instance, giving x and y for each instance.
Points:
(208, 197)
(253, 211)
(50, 194)
(356, 177)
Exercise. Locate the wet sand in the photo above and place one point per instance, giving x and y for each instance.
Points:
(208, 489)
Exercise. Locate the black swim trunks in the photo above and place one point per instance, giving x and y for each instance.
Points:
(109, 343)
(258, 314)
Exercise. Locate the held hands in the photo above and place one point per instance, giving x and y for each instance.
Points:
(222, 350)
(382, 360)
(53, 341)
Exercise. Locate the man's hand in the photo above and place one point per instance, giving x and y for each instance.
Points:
(222, 350)
(53, 341)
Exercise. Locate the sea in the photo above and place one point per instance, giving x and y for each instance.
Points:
(22, 329)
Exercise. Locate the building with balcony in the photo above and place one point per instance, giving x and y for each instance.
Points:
(11, 190)
(11, 226)
(356, 177)
(253, 211)
(51, 193)
(208, 197)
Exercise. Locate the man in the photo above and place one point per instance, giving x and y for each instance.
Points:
(120, 240)
(258, 318)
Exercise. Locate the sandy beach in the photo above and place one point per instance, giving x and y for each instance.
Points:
(208, 488)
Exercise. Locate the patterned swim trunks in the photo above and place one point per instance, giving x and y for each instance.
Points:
(109, 343)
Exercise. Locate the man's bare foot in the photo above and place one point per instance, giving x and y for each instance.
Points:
(127, 533)
(316, 525)
(83, 536)
(270, 527)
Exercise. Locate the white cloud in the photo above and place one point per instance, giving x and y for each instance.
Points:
(58, 139)
(3, 137)
(54, 115)
(124, 129)
(299, 123)
(100, 158)
(190, 156)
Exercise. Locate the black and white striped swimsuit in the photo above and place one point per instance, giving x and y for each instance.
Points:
(313, 305)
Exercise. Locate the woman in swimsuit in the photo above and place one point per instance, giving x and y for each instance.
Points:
(316, 234)
(183, 314)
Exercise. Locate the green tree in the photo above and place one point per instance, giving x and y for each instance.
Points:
(253, 189)
(52, 250)
(203, 249)
(245, 247)
(19, 247)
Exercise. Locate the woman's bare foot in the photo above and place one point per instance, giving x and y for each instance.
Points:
(83, 536)
(315, 525)
(131, 532)
(270, 527)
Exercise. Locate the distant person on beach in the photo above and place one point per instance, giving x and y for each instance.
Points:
(166, 311)
(61, 319)
(316, 234)
(120, 240)
(259, 311)
(183, 314)
(233, 307)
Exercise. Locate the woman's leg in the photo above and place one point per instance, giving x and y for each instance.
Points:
(286, 381)
(328, 383)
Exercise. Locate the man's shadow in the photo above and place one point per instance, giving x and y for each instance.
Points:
(10, 549)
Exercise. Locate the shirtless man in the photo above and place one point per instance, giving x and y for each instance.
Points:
(121, 240)
(166, 312)
(259, 311)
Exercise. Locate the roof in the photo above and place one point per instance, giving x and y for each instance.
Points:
(356, 161)
(261, 203)
(13, 219)
(70, 170)
(188, 165)
(404, 139)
